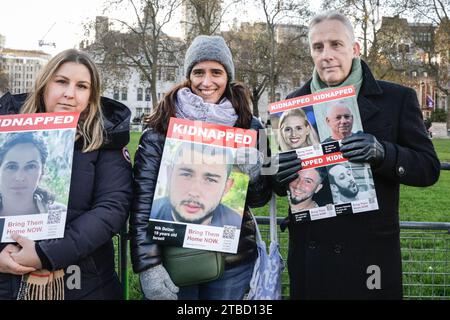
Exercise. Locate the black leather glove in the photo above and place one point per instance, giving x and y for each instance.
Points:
(363, 147)
(288, 164)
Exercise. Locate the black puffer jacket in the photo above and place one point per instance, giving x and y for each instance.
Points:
(145, 253)
(99, 202)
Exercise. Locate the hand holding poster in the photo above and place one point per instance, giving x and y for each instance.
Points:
(328, 184)
(36, 152)
(200, 194)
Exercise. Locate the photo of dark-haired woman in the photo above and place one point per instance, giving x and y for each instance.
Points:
(22, 161)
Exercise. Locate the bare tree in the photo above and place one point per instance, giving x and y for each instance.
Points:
(295, 57)
(365, 15)
(207, 16)
(442, 49)
(139, 44)
(390, 56)
(276, 13)
(206, 19)
(436, 12)
(251, 57)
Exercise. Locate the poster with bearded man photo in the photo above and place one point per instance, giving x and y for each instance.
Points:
(200, 192)
(312, 128)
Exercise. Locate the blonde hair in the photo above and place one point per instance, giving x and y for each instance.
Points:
(311, 139)
(90, 126)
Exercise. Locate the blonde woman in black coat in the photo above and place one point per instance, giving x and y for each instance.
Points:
(100, 190)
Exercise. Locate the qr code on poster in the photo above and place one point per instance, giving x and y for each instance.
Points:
(229, 232)
(54, 216)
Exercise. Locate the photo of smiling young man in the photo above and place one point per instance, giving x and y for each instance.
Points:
(303, 189)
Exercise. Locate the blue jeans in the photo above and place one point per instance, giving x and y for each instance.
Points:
(232, 285)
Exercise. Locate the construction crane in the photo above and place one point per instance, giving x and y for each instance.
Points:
(43, 43)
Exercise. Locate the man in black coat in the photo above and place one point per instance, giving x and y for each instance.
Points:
(358, 256)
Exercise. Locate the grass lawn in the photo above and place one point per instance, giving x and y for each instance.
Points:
(442, 147)
(431, 203)
(416, 204)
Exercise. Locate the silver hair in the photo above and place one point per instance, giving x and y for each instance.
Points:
(332, 15)
(338, 103)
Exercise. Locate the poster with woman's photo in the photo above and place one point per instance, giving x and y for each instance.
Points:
(36, 152)
(313, 125)
(200, 192)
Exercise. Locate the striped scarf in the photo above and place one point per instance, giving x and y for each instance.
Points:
(42, 285)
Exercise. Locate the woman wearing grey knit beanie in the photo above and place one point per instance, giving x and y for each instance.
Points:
(208, 94)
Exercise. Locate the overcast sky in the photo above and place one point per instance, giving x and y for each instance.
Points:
(25, 22)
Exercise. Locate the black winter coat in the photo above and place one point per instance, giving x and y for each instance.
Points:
(144, 252)
(330, 258)
(99, 201)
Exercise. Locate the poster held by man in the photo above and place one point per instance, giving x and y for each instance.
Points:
(311, 128)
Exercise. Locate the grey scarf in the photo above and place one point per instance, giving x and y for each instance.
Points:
(191, 106)
(354, 78)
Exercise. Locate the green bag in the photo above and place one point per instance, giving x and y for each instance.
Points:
(192, 266)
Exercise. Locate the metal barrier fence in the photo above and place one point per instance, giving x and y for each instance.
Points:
(425, 256)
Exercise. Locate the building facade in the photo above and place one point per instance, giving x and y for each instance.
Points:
(410, 48)
(134, 92)
(122, 79)
(21, 68)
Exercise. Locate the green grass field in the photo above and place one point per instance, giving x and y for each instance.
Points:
(430, 204)
(442, 147)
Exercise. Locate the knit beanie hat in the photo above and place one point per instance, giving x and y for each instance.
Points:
(209, 48)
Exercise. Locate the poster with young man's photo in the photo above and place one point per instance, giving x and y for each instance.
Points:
(313, 126)
(36, 152)
(200, 192)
